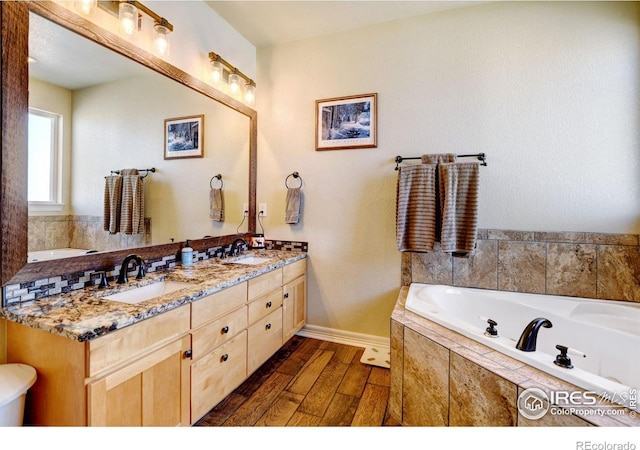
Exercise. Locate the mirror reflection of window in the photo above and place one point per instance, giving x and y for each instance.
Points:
(44, 137)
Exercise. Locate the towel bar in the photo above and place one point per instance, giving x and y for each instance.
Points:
(482, 157)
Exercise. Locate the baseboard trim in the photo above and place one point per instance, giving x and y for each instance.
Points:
(343, 337)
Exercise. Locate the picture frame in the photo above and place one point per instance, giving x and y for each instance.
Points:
(347, 122)
(184, 137)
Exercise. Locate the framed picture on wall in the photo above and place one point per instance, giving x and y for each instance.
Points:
(347, 122)
(183, 137)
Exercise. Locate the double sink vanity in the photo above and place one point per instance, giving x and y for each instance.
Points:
(158, 351)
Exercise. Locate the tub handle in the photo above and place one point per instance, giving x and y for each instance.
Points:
(563, 359)
(491, 329)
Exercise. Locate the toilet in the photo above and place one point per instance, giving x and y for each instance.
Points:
(15, 381)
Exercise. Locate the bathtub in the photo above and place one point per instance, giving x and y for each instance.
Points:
(607, 333)
(46, 255)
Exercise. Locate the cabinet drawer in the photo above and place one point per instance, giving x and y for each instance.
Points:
(217, 375)
(265, 305)
(264, 339)
(264, 283)
(218, 304)
(119, 346)
(209, 336)
(294, 270)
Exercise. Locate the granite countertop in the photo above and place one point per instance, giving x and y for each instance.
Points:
(84, 314)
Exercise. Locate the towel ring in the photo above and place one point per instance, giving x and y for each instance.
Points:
(294, 175)
(219, 177)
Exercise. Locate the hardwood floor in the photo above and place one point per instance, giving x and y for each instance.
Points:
(309, 383)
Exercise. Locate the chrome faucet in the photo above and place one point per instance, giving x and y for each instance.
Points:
(527, 341)
(122, 276)
(234, 246)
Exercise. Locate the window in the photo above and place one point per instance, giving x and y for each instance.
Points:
(44, 160)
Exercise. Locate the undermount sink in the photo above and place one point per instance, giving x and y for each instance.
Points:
(143, 293)
(250, 260)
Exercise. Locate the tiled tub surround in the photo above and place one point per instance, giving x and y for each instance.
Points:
(83, 315)
(592, 265)
(441, 378)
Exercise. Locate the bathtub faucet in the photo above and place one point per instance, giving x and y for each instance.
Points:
(527, 341)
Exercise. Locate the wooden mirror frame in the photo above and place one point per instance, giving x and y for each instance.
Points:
(13, 163)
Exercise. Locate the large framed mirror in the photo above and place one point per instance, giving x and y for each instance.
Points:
(231, 150)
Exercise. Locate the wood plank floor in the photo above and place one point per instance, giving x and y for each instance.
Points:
(309, 383)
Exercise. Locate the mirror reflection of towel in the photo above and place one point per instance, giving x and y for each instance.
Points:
(112, 202)
(132, 208)
(292, 208)
(216, 211)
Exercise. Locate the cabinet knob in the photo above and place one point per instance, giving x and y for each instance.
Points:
(268, 304)
(286, 295)
(224, 357)
(268, 326)
(224, 330)
(188, 353)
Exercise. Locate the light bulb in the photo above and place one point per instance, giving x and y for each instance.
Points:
(250, 93)
(128, 19)
(85, 7)
(234, 83)
(216, 71)
(161, 39)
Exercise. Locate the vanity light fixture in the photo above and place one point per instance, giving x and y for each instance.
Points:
(129, 13)
(234, 78)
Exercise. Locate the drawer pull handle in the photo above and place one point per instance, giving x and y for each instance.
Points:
(268, 326)
(268, 304)
(286, 295)
(188, 353)
(224, 330)
(224, 357)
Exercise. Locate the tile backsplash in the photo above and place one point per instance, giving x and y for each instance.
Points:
(590, 265)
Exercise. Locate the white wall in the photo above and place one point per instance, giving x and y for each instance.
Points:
(549, 91)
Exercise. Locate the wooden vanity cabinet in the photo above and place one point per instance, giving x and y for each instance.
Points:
(121, 378)
(219, 347)
(294, 298)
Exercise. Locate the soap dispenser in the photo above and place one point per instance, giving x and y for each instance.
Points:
(187, 254)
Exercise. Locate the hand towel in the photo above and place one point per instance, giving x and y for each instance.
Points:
(216, 211)
(132, 208)
(459, 184)
(112, 203)
(292, 206)
(416, 208)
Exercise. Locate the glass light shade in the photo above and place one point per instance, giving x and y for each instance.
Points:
(234, 83)
(216, 71)
(250, 94)
(128, 19)
(85, 7)
(161, 39)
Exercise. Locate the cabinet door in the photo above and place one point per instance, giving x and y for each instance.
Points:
(217, 374)
(264, 339)
(294, 307)
(151, 391)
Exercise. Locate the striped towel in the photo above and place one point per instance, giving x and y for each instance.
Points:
(112, 202)
(132, 207)
(459, 183)
(216, 211)
(416, 207)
